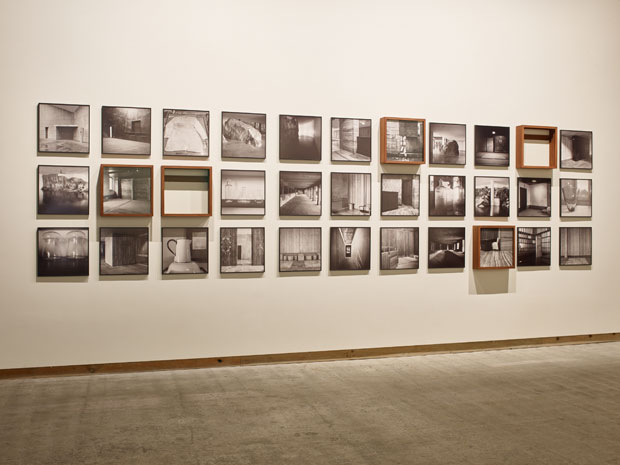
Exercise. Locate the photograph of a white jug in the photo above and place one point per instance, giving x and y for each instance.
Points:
(185, 250)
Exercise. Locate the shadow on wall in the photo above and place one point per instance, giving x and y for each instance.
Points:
(491, 282)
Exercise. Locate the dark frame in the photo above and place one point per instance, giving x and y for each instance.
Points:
(520, 254)
(464, 181)
(64, 166)
(280, 250)
(417, 239)
(101, 174)
(264, 250)
(546, 181)
(490, 206)
(560, 245)
(331, 195)
(188, 168)
(481, 127)
(430, 143)
(148, 255)
(67, 228)
(103, 109)
(310, 160)
(331, 138)
(39, 129)
(303, 172)
(561, 196)
(461, 229)
(478, 247)
(413, 176)
(591, 148)
(222, 136)
(187, 229)
(184, 155)
(331, 264)
(383, 131)
(243, 214)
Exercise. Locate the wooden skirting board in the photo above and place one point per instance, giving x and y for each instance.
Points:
(318, 356)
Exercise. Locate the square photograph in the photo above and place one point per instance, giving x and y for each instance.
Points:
(63, 190)
(63, 128)
(575, 246)
(242, 250)
(301, 193)
(126, 190)
(534, 197)
(400, 248)
(576, 198)
(123, 251)
(400, 194)
(446, 247)
(494, 247)
(300, 249)
(244, 135)
(184, 250)
(300, 138)
(62, 251)
(534, 246)
(576, 150)
(125, 131)
(491, 196)
(243, 192)
(446, 195)
(186, 133)
(351, 139)
(447, 143)
(402, 140)
(349, 249)
(350, 194)
(492, 146)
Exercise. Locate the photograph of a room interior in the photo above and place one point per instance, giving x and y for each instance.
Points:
(446, 247)
(242, 250)
(351, 139)
(350, 194)
(126, 190)
(300, 193)
(534, 197)
(64, 128)
(126, 130)
(124, 251)
(349, 249)
(575, 246)
(534, 246)
(400, 248)
(576, 149)
(300, 249)
(492, 145)
(243, 192)
(496, 248)
(400, 195)
(447, 144)
(300, 137)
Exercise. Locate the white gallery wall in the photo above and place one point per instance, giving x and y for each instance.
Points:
(474, 62)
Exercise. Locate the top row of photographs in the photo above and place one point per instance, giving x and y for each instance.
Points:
(65, 129)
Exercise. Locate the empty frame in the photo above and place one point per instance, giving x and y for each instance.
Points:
(537, 147)
(186, 191)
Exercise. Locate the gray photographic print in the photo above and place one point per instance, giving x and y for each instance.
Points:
(492, 146)
(300, 249)
(350, 194)
(491, 196)
(576, 198)
(125, 131)
(185, 250)
(351, 139)
(349, 249)
(186, 133)
(446, 195)
(63, 128)
(575, 246)
(62, 251)
(534, 197)
(126, 190)
(400, 194)
(244, 135)
(242, 250)
(447, 143)
(301, 193)
(243, 192)
(300, 137)
(576, 149)
(400, 248)
(446, 247)
(63, 190)
(123, 251)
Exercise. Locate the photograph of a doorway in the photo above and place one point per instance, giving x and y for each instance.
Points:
(242, 250)
(349, 249)
(125, 131)
(126, 190)
(576, 150)
(492, 146)
(63, 128)
(534, 246)
(400, 194)
(534, 197)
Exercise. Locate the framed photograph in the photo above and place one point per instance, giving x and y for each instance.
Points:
(494, 247)
(349, 249)
(403, 140)
(576, 198)
(63, 128)
(186, 191)
(350, 194)
(62, 252)
(126, 190)
(576, 149)
(301, 193)
(534, 246)
(243, 192)
(575, 246)
(446, 247)
(491, 196)
(446, 195)
(300, 138)
(123, 251)
(447, 143)
(62, 190)
(244, 135)
(186, 133)
(300, 249)
(351, 139)
(242, 250)
(125, 131)
(492, 146)
(400, 248)
(534, 197)
(184, 250)
(400, 194)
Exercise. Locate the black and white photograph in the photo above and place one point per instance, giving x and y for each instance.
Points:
(126, 190)
(349, 249)
(125, 131)
(496, 247)
(402, 140)
(186, 133)
(300, 138)
(400, 194)
(534, 246)
(400, 248)
(184, 251)
(446, 247)
(576, 198)
(446, 195)
(242, 250)
(123, 251)
(244, 135)
(301, 193)
(63, 190)
(447, 143)
(492, 146)
(575, 246)
(576, 149)
(351, 139)
(534, 197)
(62, 251)
(300, 249)
(491, 196)
(243, 192)
(350, 194)
(63, 128)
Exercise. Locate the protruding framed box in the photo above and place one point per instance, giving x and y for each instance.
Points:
(403, 140)
(494, 247)
(531, 137)
(126, 190)
(186, 191)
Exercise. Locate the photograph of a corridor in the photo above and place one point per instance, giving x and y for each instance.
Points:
(495, 247)
(576, 150)
(446, 247)
(301, 193)
(64, 128)
(349, 249)
(575, 246)
(300, 137)
(492, 146)
(534, 197)
(447, 143)
(125, 131)
(242, 250)
(126, 190)
(351, 139)
(400, 194)
(350, 194)
(400, 248)
(533, 246)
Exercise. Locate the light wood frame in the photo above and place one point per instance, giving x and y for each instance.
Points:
(101, 172)
(476, 239)
(552, 139)
(209, 190)
(383, 130)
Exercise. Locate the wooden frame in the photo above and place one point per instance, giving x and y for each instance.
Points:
(102, 170)
(70, 152)
(477, 265)
(551, 138)
(176, 154)
(66, 210)
(331, 132)
(197, 179)
(244, 156)
(384, 140)
(284, 257)
(222, 200)
(136, 153)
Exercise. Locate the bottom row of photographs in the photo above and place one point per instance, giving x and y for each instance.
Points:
(125, 251)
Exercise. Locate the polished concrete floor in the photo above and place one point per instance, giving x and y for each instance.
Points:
(555, 405)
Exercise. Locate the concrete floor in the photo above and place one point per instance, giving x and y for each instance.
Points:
(556, 405)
